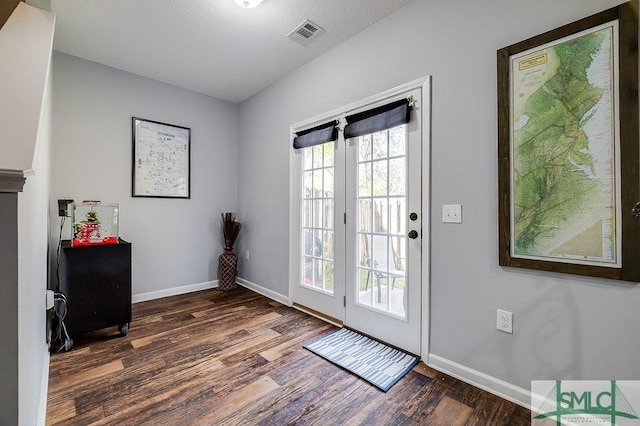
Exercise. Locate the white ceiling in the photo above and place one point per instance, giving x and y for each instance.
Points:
(208, 46)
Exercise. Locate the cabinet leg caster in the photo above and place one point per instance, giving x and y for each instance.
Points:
(124, 329)
(68, 344)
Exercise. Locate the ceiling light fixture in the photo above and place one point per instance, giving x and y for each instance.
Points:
(248, 4)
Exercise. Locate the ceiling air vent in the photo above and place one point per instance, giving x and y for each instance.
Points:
(305, 32)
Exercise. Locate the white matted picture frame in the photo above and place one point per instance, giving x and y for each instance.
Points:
(161, 166)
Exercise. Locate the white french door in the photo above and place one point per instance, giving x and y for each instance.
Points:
(318, 242)
(356, 232)
(383, 233)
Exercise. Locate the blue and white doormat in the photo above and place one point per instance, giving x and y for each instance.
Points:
(375, 362)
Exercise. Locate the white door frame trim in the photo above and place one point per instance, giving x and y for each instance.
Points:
(424, 84)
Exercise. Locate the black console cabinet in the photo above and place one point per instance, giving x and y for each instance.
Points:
(96, 281)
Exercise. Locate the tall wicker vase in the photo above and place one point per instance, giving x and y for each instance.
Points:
(227, 270)
(228, 261)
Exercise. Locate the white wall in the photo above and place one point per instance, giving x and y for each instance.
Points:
(176, 242)
(22, 83)
(564, 326)
(33, 231)
(25, 46)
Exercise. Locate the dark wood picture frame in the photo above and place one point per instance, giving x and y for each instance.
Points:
(628, 268)
(161, 160)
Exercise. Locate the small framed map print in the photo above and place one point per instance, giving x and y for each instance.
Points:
(568, 151)
(161, 160)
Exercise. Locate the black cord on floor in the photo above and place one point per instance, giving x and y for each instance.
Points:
(58, 252)
(62, 338)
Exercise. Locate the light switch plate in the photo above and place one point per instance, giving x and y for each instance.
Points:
(452, 213)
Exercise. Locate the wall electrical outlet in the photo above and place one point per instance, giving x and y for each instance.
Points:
(452, 213)
(246, 255)
(504, 321)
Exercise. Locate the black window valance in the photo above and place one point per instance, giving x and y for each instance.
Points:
(326, 132)
(378, 119)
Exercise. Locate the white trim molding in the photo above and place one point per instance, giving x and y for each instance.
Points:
(481, 380)
(426, 214)
(44, 389)
(174, 291)
(285, 300)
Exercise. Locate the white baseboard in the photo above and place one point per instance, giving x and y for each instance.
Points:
(174, 291)
(44, 389)
(481, 380)
(264, 291)
(143, 297)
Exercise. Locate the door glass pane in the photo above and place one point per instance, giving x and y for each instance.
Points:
(328, 213)
(307, 217)
(317, 183)
(307, 271)
(308, 184)
(328, 276)
(380, 217)
(365, 214)
(318, 275)
(308, 244)
(308, 159)
(364, 148)
(318, 248)
(317, 254)
(317, 213)
(397, 178)
(328, 242)
(380, 178)
(364, 179)
(397, 141)
(380, 145)
(365, 283)
(329, 154)
(317, 156)
(364, 242)
(382, 223)
(328, 181)
(397, 215)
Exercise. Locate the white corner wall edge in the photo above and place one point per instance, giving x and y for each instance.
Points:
(44, 389)
(264, 291)
(173, 291)
(481, 380)
(22, 84)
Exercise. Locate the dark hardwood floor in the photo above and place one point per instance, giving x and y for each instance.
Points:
(236, 358)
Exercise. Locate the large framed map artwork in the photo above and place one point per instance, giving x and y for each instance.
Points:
(161, 160)
(568, 152)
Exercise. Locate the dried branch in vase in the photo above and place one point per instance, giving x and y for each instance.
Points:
(230, 229)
